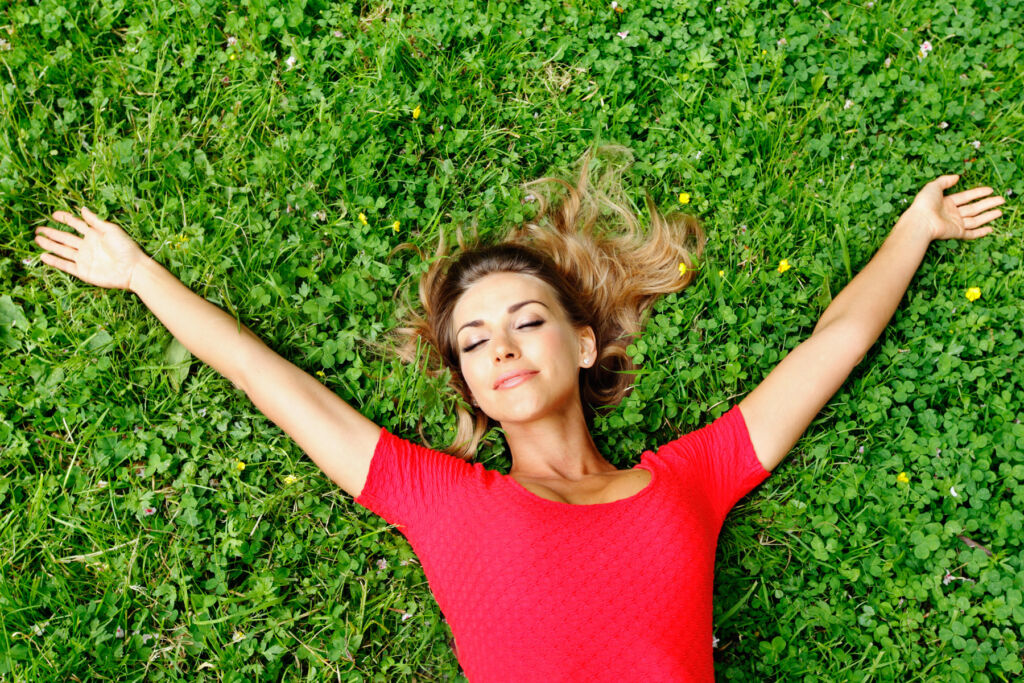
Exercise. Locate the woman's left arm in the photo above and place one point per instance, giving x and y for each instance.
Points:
(781, 408)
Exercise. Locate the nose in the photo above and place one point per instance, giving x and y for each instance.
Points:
(504, 348)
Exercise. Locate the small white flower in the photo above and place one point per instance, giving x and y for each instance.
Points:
(4, 45)
(976, 144)
(943, 125)
(338, 34)
(821, 181)
(698, 154)
(718, 9)
(870, 5)
(926, 47)
(714, 641)
(202, 412)
(382, 563)
(146, 637)
(614, 4)
(860, 450)
(27, 262)
(946, 579)
(232, 40)
(320, 215)
(622, 34)
(849, 103)
(780, 42)
(102, 483)
(38, 630)
(952, 492)
(406, 615)
(237, 636)
(888, 62)
(120, 632)
(529, 198)
(290, 62)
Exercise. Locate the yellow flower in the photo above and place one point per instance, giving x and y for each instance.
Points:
(240, 465)
(290, 479)
(231, 57)
(362, 218)
(416, 112)
(682, 269)
(973, 293)
(903, 478)
(395, 225)
(721, 273)
(784, 266)
(684, 198)
(237, 636)
(321, 373)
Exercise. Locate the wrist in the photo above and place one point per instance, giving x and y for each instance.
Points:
(142, 268)
(917, 226)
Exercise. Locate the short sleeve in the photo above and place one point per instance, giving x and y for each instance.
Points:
(408, 484)
(721, 457)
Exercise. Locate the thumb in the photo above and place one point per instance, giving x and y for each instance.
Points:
(93, 220)
(947, 181)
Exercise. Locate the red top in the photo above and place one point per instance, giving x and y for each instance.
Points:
(538, 590)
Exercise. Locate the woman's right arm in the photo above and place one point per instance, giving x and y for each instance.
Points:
(336, 437)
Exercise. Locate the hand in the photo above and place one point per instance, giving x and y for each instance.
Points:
(105, 256)
(952, 217)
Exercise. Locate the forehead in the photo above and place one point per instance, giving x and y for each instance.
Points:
(492, 294)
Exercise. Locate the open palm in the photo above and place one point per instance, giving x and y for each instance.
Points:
(104, 256)
(955, 216)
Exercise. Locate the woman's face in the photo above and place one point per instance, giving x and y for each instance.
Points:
(497, 333)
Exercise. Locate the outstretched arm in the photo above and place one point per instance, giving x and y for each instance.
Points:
(781, 408)
(336, 437)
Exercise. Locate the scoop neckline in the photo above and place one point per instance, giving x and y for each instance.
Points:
(643, 465)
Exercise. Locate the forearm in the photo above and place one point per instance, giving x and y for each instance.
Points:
(868, 302)
(204, 329)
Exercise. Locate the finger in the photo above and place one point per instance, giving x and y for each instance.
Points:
(970, 195)
(978, 221)
(61, 236)
(55, 247)
(979, 206)
(72, 220)
(60, 264)
(975, 234)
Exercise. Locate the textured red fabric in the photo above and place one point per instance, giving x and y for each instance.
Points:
(538, 590)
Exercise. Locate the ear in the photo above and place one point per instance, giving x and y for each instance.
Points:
(588, 347)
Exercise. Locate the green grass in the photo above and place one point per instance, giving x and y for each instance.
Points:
(244, 176)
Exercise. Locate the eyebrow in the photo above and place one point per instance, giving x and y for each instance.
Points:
(511, 309)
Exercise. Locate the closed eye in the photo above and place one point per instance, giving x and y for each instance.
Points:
(536, 323)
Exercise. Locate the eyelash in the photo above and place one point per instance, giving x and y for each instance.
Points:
(535, 323)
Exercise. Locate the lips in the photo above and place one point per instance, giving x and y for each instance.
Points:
(514, 378)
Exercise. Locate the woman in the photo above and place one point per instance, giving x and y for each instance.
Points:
(567, 568)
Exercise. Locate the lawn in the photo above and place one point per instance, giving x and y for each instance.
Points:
(155, 526)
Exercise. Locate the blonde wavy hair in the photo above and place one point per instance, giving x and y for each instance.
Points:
(605, 270)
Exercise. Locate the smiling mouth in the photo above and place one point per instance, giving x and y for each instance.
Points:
(516, 381)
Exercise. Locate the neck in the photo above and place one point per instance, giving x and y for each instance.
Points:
(558, 446)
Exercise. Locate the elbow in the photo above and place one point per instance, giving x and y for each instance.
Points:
(847, 337)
